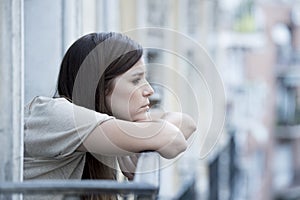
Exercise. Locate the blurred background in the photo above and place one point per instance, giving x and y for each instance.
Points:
(253, 44)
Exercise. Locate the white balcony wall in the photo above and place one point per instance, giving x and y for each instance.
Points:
(43, 46)
(11, 91)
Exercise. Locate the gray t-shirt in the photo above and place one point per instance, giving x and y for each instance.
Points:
(53, 129)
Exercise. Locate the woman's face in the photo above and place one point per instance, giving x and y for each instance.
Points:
(129, 99)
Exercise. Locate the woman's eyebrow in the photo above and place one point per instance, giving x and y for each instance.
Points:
(138, 73)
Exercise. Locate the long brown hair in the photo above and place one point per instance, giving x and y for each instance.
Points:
(85, 78)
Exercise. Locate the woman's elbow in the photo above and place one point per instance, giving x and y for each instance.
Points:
(178, 149)
(181, 147)
(174, 147)
(193, 126)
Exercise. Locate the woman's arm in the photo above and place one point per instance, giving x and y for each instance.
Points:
(118, 137)
(184, 122)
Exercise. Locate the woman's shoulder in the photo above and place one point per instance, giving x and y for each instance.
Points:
(57, 108)
(41, 105)
(44, 100)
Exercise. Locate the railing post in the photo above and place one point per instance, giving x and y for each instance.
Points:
(148, 171)
(11, 90)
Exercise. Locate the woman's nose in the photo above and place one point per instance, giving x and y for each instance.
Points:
(148, 90)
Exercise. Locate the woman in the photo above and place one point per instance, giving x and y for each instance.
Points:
(102, 109)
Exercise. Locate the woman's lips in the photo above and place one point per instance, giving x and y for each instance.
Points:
(147, 107)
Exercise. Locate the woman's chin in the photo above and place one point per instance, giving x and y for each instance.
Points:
(142, 117)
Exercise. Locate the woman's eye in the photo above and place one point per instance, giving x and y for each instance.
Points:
(136, 81)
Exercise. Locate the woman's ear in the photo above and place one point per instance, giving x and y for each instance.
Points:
(109, 88)
(107, 92)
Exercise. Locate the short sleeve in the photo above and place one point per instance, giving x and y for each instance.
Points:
(56, 128)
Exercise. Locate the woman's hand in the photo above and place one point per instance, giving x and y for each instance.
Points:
(128, 165)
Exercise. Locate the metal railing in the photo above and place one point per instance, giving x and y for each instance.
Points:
(291, 193)
(187, 190)
(223, 172)
(144, 186)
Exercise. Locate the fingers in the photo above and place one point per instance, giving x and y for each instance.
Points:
(128, 165)
(135, 158)
(130, 176)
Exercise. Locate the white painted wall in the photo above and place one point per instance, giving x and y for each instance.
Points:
(43, 46)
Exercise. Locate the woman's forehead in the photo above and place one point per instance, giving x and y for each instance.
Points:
(138, 68)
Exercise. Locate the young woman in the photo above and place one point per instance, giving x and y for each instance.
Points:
(102, 109)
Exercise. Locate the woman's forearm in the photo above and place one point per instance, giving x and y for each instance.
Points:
(118, 137)
(184, 122)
